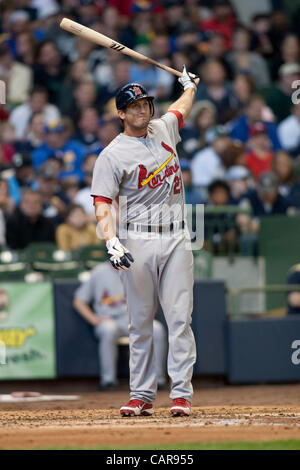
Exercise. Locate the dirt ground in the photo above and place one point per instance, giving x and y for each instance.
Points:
(224, 413)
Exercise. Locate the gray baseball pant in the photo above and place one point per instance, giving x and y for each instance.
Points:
(162, 268)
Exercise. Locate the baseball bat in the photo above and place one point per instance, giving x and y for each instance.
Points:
(102, 40)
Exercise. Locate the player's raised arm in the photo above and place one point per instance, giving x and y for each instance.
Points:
(185, 102)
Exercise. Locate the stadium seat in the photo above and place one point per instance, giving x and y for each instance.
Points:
(91, 255)
(12, 266)
(46, 257)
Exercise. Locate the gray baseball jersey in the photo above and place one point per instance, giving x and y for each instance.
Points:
(104, 291)
(127, 161)
(163, 267)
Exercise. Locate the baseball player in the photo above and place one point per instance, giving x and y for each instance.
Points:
(100, 301)
(152, 252)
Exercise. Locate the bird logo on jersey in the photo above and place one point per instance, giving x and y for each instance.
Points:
(155, 179)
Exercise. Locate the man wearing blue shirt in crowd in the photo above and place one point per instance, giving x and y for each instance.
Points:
(69, 152)
(253, 113)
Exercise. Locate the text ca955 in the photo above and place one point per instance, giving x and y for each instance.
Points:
(174, 459)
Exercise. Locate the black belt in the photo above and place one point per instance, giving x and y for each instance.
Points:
(156, 228)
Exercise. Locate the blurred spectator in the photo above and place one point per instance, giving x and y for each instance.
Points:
(160, 51)
(18, 23)
(215, 89)
(102, 71)
(17, 76)
(260, 157)
(70, 189)
(77, 73)
(69, 152)
(216, 50)
(26, 45)
(4, 197)
(289, 184)
(7, 205)
(76, 231)
(289, 54)
(53, 200)
(222, 22)
(120, 78)
(279, 97)
(192, 194)
(207, 164)
(82, 49)
(219, 193)
(84, 96)
(37, 103)
(254, 112)
(220, 226)
(193, 134)
(7, 150)
(49, 70)
(243, 60)
(34, 134)
(23, 176)
(237, 178)
(27, 224)
(88, 128)
(265, 200)
(101, 302)
(289, 132)
(83, 197)
(294, 296)
(261, 26)
(280, 27)
(108, 129)
(243, 87)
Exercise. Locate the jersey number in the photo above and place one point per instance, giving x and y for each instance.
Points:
(177, 185)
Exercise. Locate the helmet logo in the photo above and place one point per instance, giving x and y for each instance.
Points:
(137, 91)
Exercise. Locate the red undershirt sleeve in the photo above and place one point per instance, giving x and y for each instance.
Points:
(178, 114)
(102, 199)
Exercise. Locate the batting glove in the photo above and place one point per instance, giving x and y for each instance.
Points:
(120, 257)
(187, 79)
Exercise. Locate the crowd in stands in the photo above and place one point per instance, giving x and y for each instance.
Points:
(240, 145)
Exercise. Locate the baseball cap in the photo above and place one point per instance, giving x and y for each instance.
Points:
(237, 172)
(215, 132)
(258, 128)
(21, 160)
(46, 173)
(141, 6)
(54, 127)
(19, 15)
(288, 69)
(198, 107)
(267, 182)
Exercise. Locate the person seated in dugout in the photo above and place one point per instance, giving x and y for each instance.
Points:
(101, 302)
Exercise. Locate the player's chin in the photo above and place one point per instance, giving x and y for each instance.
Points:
(143, 120)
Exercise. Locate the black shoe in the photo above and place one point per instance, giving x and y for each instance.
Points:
(109, 387)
